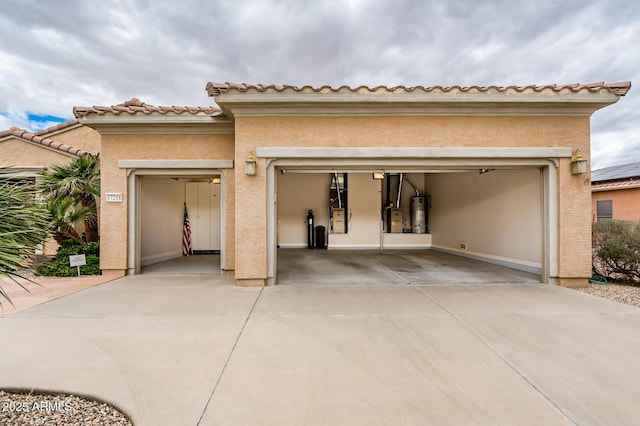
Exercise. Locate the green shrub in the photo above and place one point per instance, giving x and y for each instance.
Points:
(616, 250)
(59, 266)
(70, 247)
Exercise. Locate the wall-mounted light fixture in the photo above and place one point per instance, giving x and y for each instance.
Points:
(250, 165)
(378, 175)
(578, 164)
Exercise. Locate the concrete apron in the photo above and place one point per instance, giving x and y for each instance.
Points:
(173, 350)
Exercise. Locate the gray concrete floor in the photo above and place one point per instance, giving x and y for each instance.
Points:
(195, 264)
(390, 267)
(197, 350)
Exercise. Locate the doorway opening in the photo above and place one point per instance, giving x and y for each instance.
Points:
(491, 215)
(179, 224)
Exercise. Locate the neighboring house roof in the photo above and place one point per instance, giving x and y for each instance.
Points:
(624, 171)
(59, 127)
(613, 186)
(619, 89)
(27, 136)
(135, 106)
(625, 176)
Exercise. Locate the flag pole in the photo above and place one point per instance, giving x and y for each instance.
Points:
(186, 234)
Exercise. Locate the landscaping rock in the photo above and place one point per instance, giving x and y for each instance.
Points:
(18, 409)
(628, 294)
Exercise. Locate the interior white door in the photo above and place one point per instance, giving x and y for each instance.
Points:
(191, 198)
(203, 216)
(214, 214)
(203, 205)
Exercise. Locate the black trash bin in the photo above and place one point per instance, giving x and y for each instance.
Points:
(320, 237)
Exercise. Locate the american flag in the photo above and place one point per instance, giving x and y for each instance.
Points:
(186, 234)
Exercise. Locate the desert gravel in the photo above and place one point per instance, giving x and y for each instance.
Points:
(628, 294)
(19, 409)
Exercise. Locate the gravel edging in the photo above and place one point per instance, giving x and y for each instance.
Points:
(42, 409)
(627, 294)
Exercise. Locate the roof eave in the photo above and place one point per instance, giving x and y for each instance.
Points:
(304, 104)
(59, 128)
(604, 187)
(260, 100)
(157, 123)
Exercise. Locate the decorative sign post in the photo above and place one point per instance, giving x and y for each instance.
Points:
(77, 260)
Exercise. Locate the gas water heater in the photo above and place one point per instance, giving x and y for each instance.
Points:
(418, 215)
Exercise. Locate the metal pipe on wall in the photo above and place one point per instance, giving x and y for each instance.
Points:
(399, 190)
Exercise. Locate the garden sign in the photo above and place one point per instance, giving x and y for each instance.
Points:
(77, 260)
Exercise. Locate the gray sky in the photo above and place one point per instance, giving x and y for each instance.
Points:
(58, 54)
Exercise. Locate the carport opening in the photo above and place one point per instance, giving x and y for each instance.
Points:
(166, 244)
(469, 217)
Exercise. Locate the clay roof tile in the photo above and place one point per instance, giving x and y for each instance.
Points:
(620, 89)
(135, 106)
(611, 186)
(57, 127)
(41, 140)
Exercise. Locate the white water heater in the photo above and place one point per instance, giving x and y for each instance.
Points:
(418, 215)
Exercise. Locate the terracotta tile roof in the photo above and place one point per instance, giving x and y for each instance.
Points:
(612, 186)
(620, 89)
(32, 137)
(57, 128)
(135, 106)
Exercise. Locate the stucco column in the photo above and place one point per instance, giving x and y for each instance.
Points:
(574, 222)
(113, 216)
(250, 220)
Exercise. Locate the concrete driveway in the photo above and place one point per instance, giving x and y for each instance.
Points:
(188, 350)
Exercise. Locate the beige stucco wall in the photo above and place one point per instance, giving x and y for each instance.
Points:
(574, 224)
(19, 153)
(82, 137)
(250, 212)
(113, 255)
(573, 200)
(625, 203)
(412, 131)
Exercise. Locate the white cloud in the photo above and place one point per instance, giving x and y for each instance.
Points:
(14, 117)
(74, 52)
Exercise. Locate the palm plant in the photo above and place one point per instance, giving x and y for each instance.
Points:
(68, 217)
(23, 225)
(72, 192)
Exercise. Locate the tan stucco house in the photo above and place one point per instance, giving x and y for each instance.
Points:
(615, 192)
(492, 166)
(29, 153)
